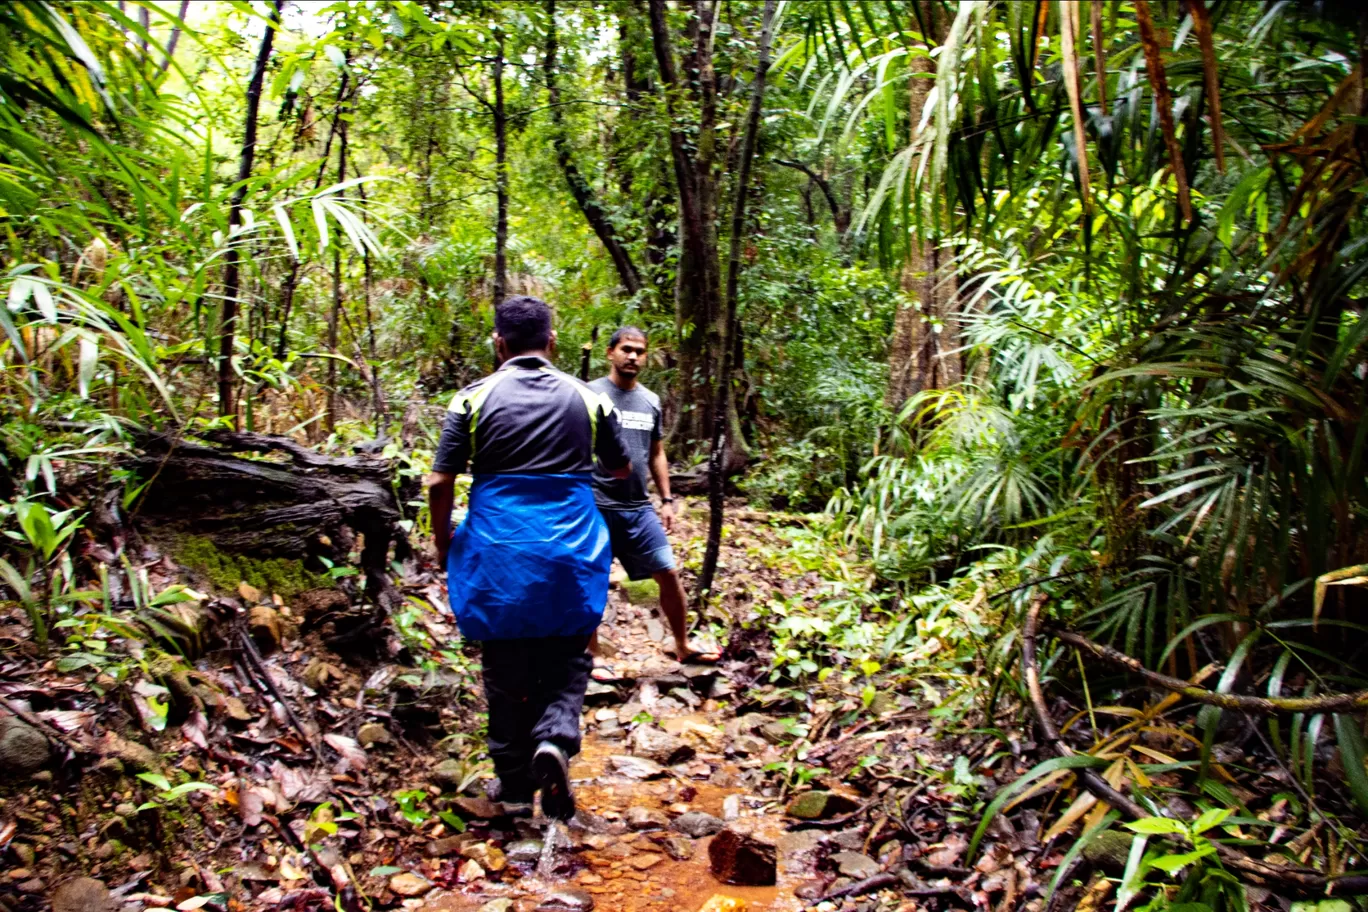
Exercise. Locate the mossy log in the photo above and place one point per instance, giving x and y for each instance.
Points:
(295, 503)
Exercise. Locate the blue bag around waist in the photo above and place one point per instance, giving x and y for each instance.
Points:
(531, 558)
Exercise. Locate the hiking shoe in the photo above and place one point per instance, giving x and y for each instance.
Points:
(551, 768)
(514, 802)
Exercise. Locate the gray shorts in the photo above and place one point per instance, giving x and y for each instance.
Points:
(638, 541)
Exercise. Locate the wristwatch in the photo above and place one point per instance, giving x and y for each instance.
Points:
(666, 500)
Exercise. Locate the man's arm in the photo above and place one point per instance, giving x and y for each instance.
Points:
(451, 459)
(660, 473)
(441, 495)
(608, 446)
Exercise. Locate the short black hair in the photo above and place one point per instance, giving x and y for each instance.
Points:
(524, 323)
(624, 332)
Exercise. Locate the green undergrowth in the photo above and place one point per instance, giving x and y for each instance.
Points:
(224, 570)
(641, 592)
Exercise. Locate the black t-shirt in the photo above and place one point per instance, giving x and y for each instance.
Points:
(527, 418)
(638, 413)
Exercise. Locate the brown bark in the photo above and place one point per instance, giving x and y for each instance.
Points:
(583, 194)
(699, 317)
(919, 357)
(723, 404)
(232, 265)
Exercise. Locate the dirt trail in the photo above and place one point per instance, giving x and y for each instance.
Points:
(626, 856)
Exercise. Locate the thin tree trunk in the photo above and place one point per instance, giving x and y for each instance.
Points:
(335, 314)
(231, 262)
(368, 279)
(583, 194)
(722, 408)
(291, 282)
(500, 174)
(174, 39)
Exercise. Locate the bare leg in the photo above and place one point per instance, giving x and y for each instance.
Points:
(673, 604)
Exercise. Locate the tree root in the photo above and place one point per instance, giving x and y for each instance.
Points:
(1327, 703)
(1294, 879)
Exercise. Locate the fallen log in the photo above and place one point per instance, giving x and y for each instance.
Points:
(300, 504)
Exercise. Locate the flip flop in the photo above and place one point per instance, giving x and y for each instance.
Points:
(696, 657)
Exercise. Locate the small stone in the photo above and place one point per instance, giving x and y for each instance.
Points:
(477, 808)
(82, 894)
(640, 818)
(470, 871)
(263, 622)
(567, 898)
(720, 903)
(645, 862)
(319, 673)
(659, 745)
(23, 749)
(408, 885)
(235, 709)
(776, 732)
(678, 848)
(136, 755)
(491, 858)
(654, 629)
(373, 733)
(855, 864)
(42, 777)
(697, 824)
(528, 851)
(450, 845)
(599, 693)
(820, 806)
(24, 853)
(449, 773)
(731, 807)
(1109, 850)
(112, 767)
(35, 885)
(599, 841)
(499, 905)
(636, 767)
(604, 714)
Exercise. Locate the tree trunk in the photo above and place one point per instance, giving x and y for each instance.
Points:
(723, 407)
(920, 357)
(231, 262)
(660, 238)
(373, 356)
(588, 203)
(174, 39)
(335, 314)
(697, 290)
(500, 174)
(291, 283)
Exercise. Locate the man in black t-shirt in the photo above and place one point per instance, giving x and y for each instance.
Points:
(637, 531)
(527, 569)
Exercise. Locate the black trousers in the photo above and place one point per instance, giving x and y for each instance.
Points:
(535, 691)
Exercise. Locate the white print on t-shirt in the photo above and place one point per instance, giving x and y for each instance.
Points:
(636, 421)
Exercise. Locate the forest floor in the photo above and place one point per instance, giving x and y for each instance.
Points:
(293, 764)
